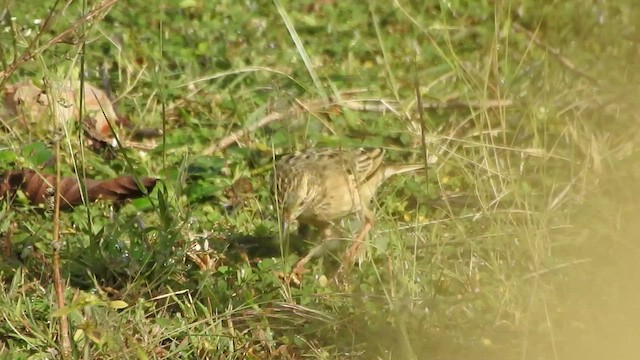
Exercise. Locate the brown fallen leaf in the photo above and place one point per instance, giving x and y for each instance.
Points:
(26, 105)
(30, 104)
(40, 187)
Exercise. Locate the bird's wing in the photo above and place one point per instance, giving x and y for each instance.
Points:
(367, 162)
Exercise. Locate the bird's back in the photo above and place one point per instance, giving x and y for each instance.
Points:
(322, 184)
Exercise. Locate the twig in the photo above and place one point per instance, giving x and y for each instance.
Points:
(379, 105)
(65, 343)
(556, 267)
(227, 141)
(30, 52)
(372, 105)
(555, 53)
(423, 124)
(235, 136)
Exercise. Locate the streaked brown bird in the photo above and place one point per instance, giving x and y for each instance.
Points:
(319, 186)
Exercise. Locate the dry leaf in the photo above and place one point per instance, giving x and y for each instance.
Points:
(31, 104)
(40, 188)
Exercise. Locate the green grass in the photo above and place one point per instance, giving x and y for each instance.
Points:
(518, 243)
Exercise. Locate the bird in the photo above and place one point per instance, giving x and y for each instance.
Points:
(320, 186)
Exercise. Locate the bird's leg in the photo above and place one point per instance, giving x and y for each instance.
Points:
(298, 268)
(354, 250)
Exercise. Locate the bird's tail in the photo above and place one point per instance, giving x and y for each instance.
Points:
(391, 170)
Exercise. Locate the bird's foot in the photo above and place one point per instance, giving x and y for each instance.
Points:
(294, 278)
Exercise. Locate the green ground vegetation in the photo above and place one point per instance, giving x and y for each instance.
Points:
(519, 242)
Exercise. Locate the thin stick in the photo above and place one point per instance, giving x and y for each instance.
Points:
(236, 135)
(555, 53)
(65, 343)
(381, 105)
(30, 52)
(275, 116)
(352, 104)
(556, 267)
(423, 125)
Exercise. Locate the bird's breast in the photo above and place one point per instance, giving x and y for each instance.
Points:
(337, 197)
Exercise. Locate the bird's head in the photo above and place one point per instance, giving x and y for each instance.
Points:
(292, 195)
